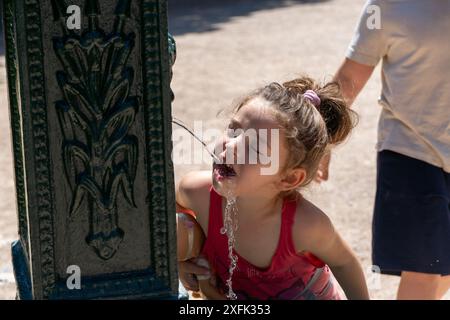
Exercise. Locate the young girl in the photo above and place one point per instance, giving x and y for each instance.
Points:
(284, 246)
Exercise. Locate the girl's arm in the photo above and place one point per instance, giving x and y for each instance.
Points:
(191, 194)
(192, 197)
(344, 265)
(316, 234)
(190, 237)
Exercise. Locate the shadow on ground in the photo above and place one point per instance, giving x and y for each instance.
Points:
(187, 16)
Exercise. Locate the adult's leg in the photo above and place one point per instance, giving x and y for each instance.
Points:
(444, 286)
(411, 229)
(419, 286)
(422, 286)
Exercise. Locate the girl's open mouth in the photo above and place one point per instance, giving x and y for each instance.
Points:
(223, 171)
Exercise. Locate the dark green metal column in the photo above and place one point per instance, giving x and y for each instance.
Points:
(91, 127)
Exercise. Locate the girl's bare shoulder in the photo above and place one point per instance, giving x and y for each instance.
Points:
(193, 193)
(311, 226)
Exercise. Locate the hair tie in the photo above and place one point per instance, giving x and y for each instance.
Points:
(313, 97)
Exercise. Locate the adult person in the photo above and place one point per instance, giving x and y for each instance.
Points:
(411, 222)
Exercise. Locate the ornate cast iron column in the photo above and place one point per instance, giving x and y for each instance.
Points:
(91, 126)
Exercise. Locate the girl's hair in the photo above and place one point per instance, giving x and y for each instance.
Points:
(309, 129)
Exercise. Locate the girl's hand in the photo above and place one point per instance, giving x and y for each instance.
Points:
(209, 289)
(208, 284)
(188, 271)
(316, 234)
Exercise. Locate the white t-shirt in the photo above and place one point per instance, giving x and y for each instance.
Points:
(414, 44)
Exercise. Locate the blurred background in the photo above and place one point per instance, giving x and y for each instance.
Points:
(226, 48)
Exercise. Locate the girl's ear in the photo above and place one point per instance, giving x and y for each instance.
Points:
(292, 179)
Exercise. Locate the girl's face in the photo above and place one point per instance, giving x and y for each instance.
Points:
(253, 152)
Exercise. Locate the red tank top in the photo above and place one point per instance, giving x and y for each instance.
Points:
(290, 276)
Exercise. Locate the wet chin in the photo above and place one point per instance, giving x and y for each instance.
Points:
(223, 187)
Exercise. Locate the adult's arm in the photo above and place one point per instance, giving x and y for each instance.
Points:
(352, 77)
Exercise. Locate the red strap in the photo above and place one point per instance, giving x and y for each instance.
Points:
(314, 260)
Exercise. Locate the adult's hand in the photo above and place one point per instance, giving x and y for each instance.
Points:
(322, 172)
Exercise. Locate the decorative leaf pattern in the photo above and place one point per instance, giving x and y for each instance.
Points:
(96, 114)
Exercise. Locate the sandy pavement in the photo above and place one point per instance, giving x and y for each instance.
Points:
(225, 49)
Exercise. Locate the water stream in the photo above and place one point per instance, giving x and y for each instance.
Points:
(230, 227)
(230, 224)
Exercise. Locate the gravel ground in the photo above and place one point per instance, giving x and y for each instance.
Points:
(225, 49)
